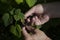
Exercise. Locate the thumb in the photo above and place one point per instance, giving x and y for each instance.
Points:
(38, 9)
(30, 12)
(25, 33)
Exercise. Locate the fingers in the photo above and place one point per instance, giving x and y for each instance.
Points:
(38, 9)
(29, 28)
(36, 21)
(25, 33)
(40, 21)
(33, 30)
(28, 20)
(45, 19)
(30, 12)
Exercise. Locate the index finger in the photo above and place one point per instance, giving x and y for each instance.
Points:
(33, 30)
(25, 33)
(38, 9)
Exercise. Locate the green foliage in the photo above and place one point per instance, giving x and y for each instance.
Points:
(18, 15)
(6, 19)
(31, 2)
(16, 30)
(19, 1)
(12, 14)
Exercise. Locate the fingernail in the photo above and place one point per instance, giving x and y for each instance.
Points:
(28, 19)
(23, 28)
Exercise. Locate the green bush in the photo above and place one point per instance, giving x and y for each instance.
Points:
(12, 14)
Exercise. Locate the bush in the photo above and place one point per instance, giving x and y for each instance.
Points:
(12, 14)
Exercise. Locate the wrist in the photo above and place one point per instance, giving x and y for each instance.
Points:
(53, 9)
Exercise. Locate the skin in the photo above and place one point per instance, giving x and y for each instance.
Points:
(38, 9)
(38, 35)
(53, 9)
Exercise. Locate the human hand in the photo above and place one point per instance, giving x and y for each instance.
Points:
(38, 19)
(37, 35)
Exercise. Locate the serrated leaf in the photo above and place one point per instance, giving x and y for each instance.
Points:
(17, 11)
(6, 19)
(19, 15)
(16, 30)
(16, 17)
(22, 17)
(19, 1)
(31, 2)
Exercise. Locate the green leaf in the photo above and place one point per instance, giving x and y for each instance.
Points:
(38, 26)
(6, 19)
(13, 30)
(31, 2)
(16, 17)
(16, 30)
(19, 1)
(12, 11)
(19, 15)
(17, 11)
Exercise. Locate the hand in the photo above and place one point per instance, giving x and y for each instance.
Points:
(37, 20)
(38, 34)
